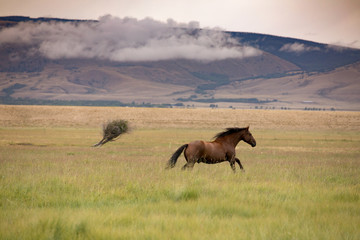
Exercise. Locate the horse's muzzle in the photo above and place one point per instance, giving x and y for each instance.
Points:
(253, 144)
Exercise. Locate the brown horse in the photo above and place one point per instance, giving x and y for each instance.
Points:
(220, 150)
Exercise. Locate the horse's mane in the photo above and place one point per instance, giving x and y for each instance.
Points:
(229, 131)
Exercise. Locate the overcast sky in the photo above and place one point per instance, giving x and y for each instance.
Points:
(325, 21)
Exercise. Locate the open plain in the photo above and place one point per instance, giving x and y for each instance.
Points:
(301, 181)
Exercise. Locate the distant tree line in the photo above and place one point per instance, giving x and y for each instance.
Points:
(234, 100)
(318, 109)
(6, 100)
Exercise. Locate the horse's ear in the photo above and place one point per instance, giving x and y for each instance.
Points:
(247, 128)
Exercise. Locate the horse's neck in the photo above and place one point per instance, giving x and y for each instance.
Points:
(233, 139)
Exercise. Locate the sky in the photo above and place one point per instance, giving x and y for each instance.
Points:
(325, 21)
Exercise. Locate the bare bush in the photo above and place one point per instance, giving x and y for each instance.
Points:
(112, 130)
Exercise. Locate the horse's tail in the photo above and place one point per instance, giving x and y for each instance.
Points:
(175, 156)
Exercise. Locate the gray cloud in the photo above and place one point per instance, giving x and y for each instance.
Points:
(127, 39)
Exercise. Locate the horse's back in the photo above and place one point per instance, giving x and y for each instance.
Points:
(208, 152)
(199, 145)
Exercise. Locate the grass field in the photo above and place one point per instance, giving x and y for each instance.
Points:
(302, 180)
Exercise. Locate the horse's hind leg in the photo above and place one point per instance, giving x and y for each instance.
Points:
(191, 156)
(189, 165)
(190, 162)
(241, 166)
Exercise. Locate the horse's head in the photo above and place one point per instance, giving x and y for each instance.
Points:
(248, 137)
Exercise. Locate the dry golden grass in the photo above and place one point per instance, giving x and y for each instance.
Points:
(301, 180)
(65, 116)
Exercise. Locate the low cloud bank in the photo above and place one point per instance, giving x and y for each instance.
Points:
(126, 39)
(297, 48)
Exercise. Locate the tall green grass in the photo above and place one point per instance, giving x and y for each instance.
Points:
(297, 185)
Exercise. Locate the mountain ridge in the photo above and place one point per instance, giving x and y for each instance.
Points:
(191, 82)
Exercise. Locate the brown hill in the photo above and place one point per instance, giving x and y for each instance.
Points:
(165, 83)
(156, 82)
(338, 89)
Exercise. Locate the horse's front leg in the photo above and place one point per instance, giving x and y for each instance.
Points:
(241, 166)
(232, 163)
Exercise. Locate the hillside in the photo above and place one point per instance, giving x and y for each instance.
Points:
(273, 72)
